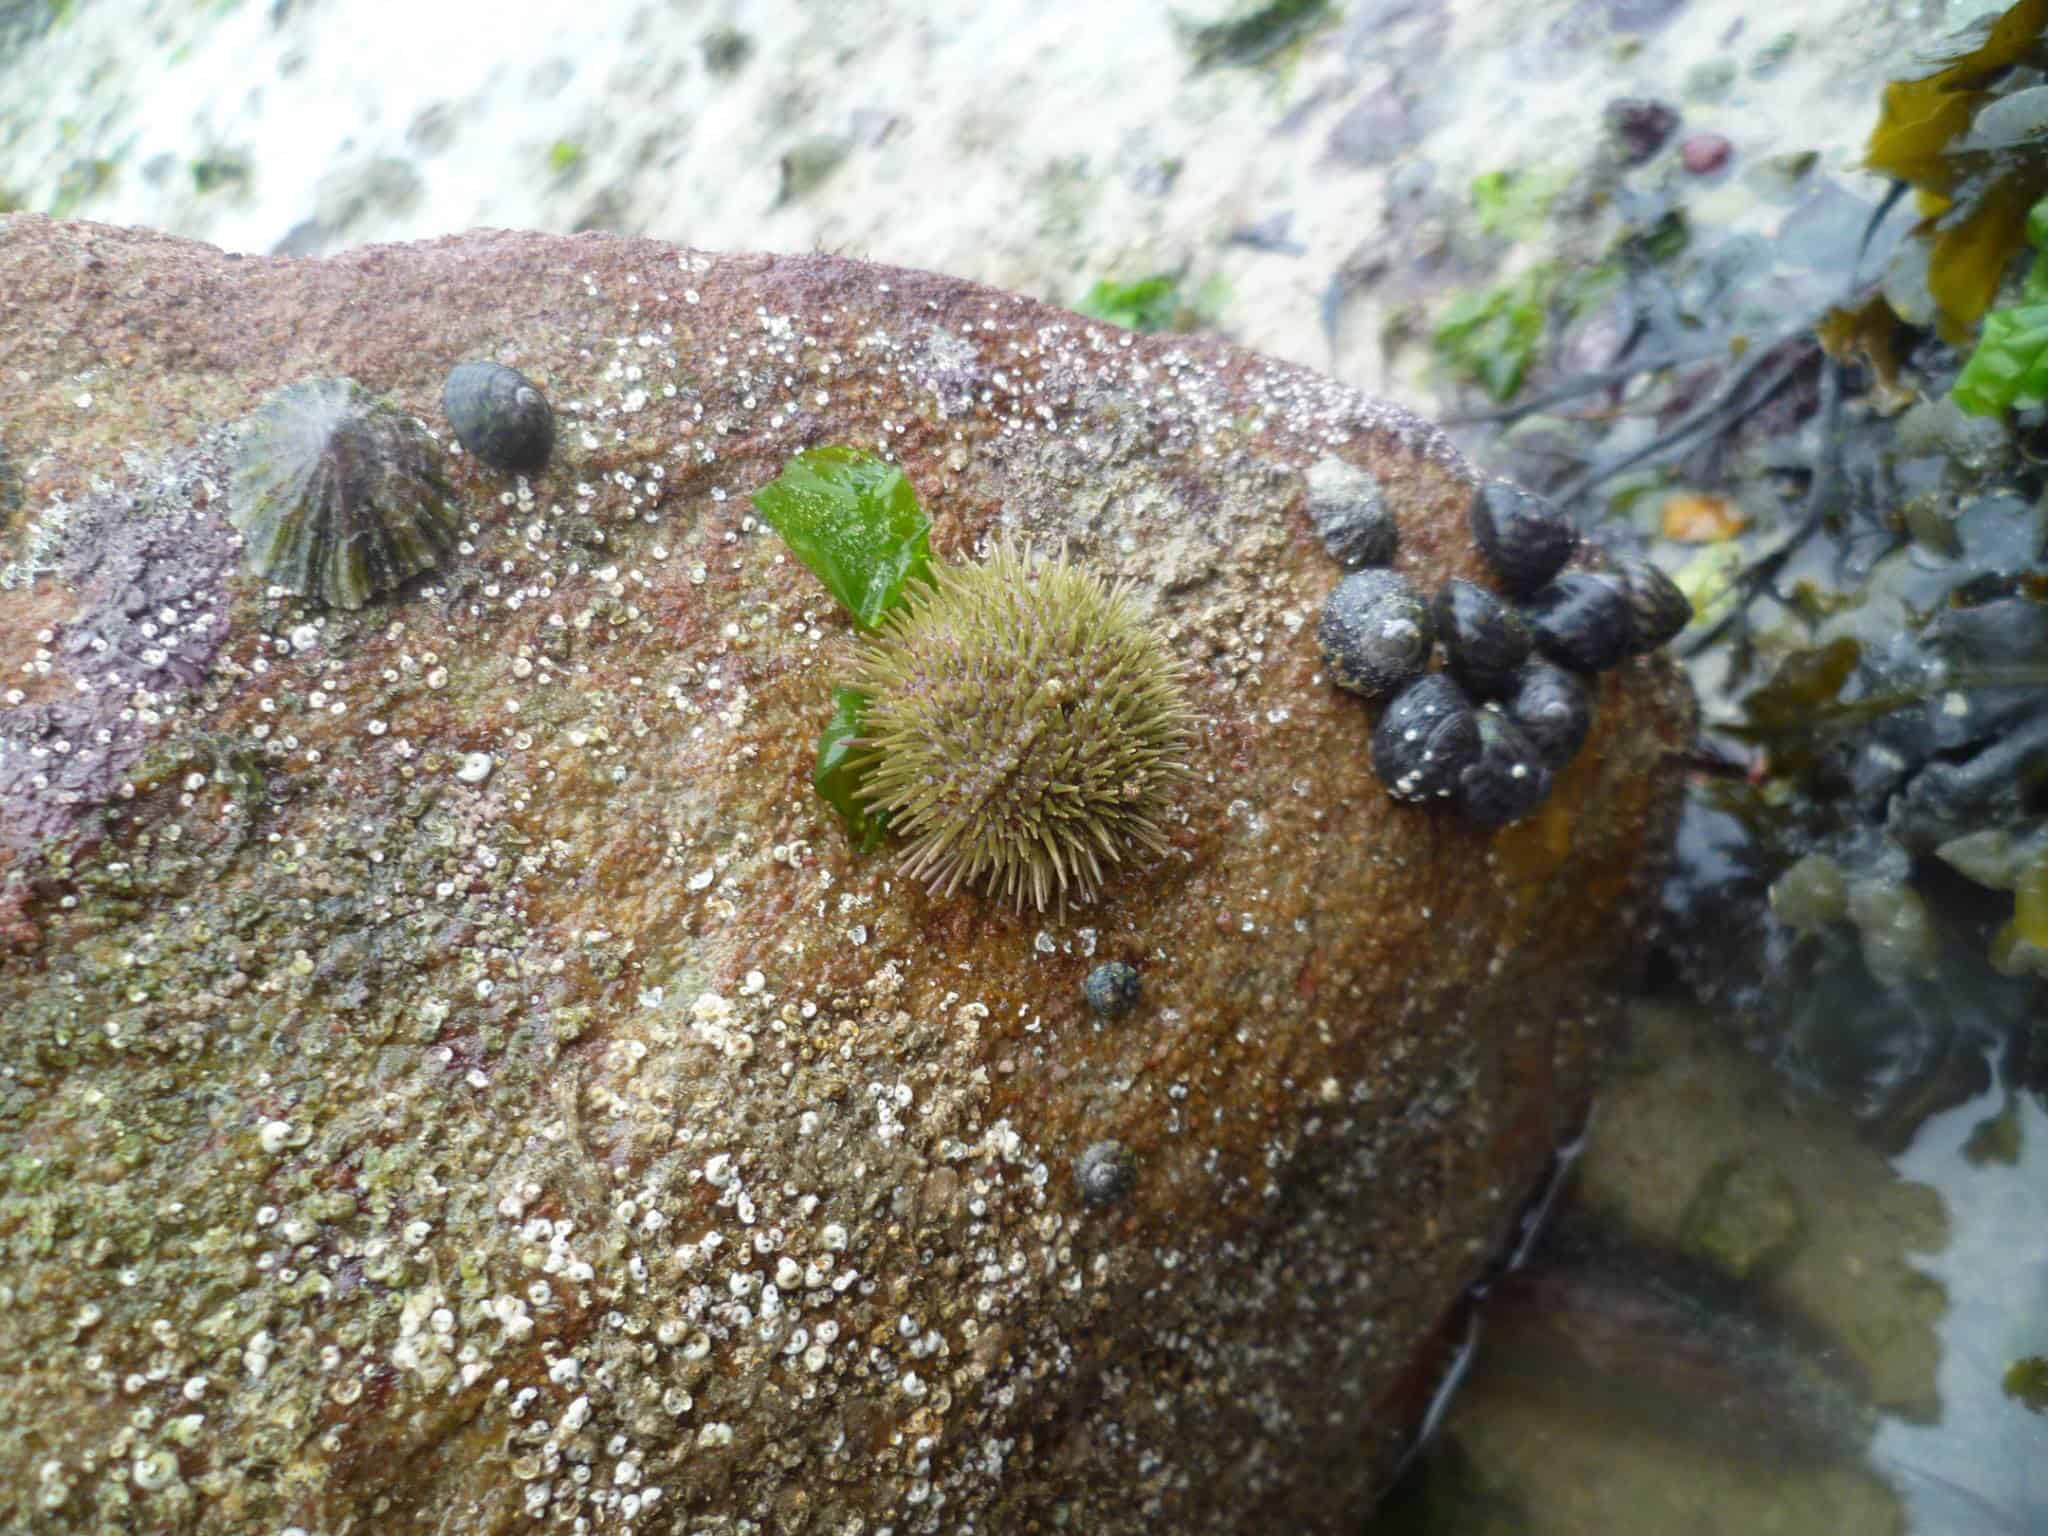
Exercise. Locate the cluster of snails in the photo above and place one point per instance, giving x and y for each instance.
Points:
(341, 497)
(1511, 705)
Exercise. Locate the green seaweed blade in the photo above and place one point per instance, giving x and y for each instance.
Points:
(1147, 304)
(2009, 367)
(837, 777)
(854, 520)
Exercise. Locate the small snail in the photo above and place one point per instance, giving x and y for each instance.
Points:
(1425, 739)
(1656, 607)
(1375, 632)
(1484, 640)
(1507, 780)
(1106, 1172)
(338, 496)
(1525, 539)
(1350, 511)
(500, 415)
(1554, 710)
(1112, 989)
(1583, 620)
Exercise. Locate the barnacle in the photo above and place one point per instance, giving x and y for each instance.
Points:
(337, 495)
(1105, 1172)
(1026, 729)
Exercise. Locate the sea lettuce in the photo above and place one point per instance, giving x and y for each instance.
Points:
(2009, 368)
(853, 519)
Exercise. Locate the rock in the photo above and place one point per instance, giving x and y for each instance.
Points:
(1379, 126)
(1641, 15)
(1745, 1218)
(392, 1146)
(1832, 1232)
(375, 188)
(809, 162)
(1639, 126)
(726, 51)
(1703, 154)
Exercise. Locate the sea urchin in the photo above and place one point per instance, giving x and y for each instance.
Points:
(1025, 728)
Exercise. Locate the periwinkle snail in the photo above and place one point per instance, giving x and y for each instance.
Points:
(500, 415)
(1525, 539)
(1657, 609)
(1106, 1172)
(1375, 632)
(1583, 620)
(1483, 639)
(1426, 738)
(1113, 989)
(1553, 709)
(1507, 779)
(1349, 508)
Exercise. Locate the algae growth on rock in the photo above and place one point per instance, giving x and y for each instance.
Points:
(456, 1074)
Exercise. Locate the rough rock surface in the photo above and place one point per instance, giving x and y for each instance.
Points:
(456, 1077)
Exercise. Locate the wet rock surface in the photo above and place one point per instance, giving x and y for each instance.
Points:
(394, 1146)
(1741, 1308)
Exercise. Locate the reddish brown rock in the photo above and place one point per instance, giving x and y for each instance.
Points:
(1705, 153)
(454, 1069)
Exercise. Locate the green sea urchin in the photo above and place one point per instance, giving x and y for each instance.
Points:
(1025, 728)
(337, 495)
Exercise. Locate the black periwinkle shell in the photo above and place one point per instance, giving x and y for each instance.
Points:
(337, 495)
(1526, 540)
(1349, 508)
(1375, 632)
(500, 415)
(1427, 737)
(1656, 606)
(1554, 710)
(1106, 1172)
(1484, 640)
(1113, 988)
(1507, 780)
(1583, 620)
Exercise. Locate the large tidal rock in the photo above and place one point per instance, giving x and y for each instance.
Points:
(455, 1075)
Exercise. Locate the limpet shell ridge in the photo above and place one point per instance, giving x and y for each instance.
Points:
(339, 496)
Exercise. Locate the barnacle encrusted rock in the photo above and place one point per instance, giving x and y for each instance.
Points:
(395, 1146)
